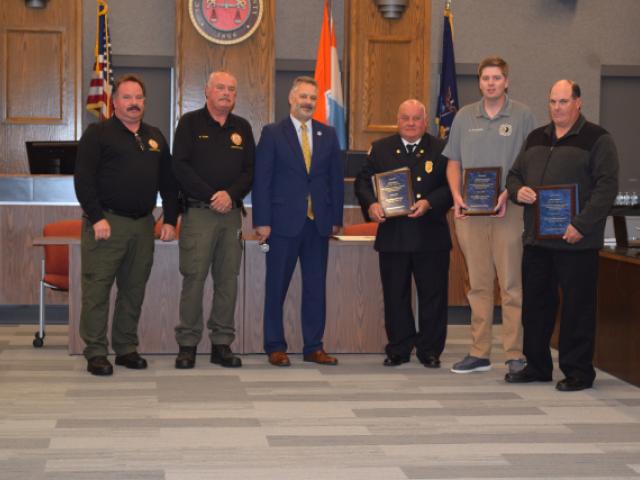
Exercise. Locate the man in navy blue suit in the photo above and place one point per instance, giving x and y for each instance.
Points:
(297, 204)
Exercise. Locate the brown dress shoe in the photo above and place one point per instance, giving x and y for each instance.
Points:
(321, 357)
(279, 359)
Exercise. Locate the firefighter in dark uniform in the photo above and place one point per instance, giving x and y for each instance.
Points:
(213, 161)
(122, 163)
(417, 244)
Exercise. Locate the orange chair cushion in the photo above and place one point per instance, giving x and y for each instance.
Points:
(56, 257)
(58, 281)
(158, 226)
(369, 228)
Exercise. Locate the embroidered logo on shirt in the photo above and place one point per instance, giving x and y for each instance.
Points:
(153, 145)
(505, 130)
(236, 139)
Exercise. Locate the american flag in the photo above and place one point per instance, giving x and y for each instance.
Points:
(99, 99)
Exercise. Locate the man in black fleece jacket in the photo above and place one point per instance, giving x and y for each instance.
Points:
(569, 150)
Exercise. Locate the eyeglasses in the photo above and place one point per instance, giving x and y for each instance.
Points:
(139, 141)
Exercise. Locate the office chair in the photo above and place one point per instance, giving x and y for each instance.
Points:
(55, 267)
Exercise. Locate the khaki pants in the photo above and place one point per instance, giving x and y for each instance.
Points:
(125, 257)
(209, 241)
(494, 246)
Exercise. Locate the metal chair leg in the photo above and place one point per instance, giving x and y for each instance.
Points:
(38, 341)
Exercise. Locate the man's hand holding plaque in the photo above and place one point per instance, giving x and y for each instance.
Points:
(556, 205)
(394, 192)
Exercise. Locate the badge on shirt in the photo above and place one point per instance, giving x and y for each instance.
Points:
(505, 130)
(236, 140)
(428, 166)
(153, 145)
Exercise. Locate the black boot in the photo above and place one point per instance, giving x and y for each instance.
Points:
(99, 365)
(222, 355)
(186, 357)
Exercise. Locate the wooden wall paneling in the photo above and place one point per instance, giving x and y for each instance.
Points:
(388, 62)
(40, 77)
(20, 271)
(618, 319)
(20, 261)
(252, 62)
(458, 276)
(34, 58)
(355, 307)
(355, 314)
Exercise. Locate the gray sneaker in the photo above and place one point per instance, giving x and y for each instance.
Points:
(516, 365)
(471, 364)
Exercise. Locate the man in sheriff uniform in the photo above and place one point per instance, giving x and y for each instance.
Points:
(213, 162)
(122, 163)
(417, 244)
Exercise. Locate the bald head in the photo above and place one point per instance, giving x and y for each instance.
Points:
(412, 120)
(564, 104)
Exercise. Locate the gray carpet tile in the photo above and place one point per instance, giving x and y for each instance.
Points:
(359, 420)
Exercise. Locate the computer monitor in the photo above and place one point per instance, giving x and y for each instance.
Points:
(353, 162)
(52, 157)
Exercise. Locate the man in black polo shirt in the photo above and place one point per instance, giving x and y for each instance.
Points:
(122, 163)
(213, 162)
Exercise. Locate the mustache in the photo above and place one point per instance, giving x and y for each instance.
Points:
(132, 108)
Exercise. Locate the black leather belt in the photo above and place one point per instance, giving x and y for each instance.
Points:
(192, 203)
(135, 216)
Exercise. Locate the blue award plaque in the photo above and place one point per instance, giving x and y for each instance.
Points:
(394, 191)
(555, 206)
(481, 190)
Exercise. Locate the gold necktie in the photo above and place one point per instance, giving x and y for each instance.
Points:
(306, 153)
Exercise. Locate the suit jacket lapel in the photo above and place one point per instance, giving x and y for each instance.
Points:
(317, 135)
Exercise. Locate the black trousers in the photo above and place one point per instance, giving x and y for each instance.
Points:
(575, 273)
(430, 271)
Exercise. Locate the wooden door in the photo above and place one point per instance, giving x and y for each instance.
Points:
(40, 77)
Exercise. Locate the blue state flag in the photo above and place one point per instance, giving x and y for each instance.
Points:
(448, 98)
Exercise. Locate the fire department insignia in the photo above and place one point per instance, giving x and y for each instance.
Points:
(428, 166)
(236, 139)
(153, 144)
(226, 21)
